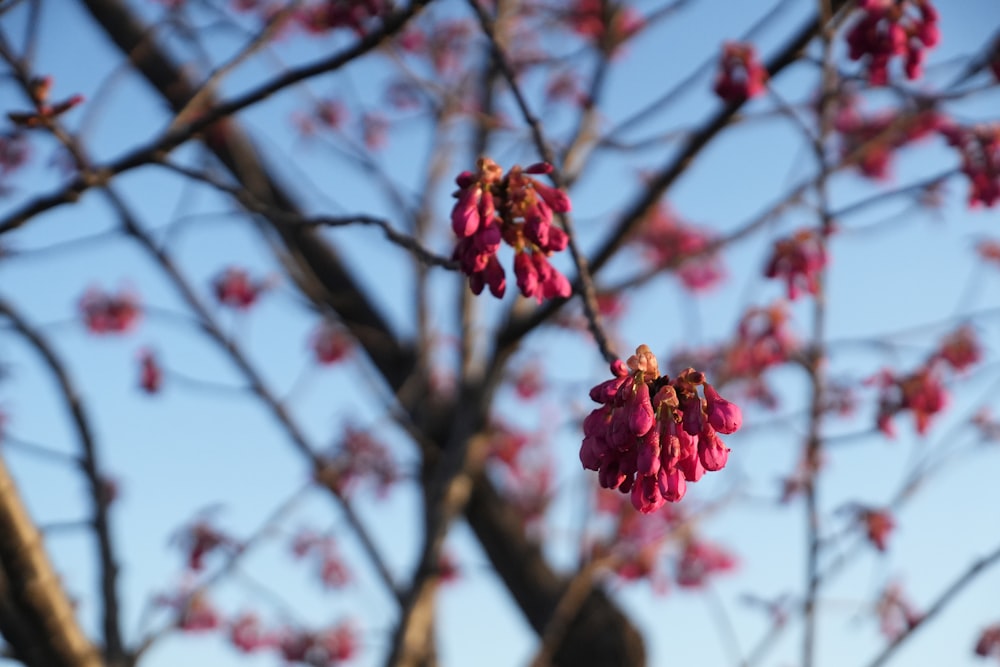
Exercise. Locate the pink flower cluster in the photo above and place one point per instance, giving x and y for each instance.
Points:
(328, 15)
(896, 613)
(333, 571)
(798, 260)
(201, 539)
(235, 288)
(150, 373)
(360, 456)
(741, 76)
(320, 649)
(960, 349)
(886, 29)
(635, 541)
(589, 19)
(872, 140)
(878, 525)
(524, 470)
(637, 546)
(922, 391)
(445, 45)
(518, 210)
(109, 313)
(330, 344)
(980, 150)
(652, 434)
(672, 243)
(763, 339)
(989, 251)
(198, 615)
(326, 648)
(699, 560)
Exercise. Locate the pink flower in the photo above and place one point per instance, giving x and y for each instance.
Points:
(979, 148)
(961, 349)
(878, 525)
(529, 383)
(201, 539)
(330, 344)
(109, 313)
(360, 456)
(333, 571)
(588, 19)
(741, 76)
(245, 634)
(921, 392)
(198, 615)
(646, 494)
(448, 570)
(896, 614)
(329, 15)
(672, 244)
(988, 643)
(725, 417)
(700, 560)
(150, 373)
(331, 113)
(235, 289)
(340, 642)
(798, 260)
(989, 251)
(712, 452)
(873, 140)
(374, 131)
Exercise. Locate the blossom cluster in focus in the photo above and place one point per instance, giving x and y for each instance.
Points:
(653, 434)
(515, 209)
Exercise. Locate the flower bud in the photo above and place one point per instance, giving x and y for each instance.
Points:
(725, 417)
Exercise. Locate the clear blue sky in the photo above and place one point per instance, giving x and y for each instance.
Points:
(194, 447)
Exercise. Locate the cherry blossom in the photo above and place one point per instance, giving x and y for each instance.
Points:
(741, 76)
(517, 209)
(652, 434)
(887, 29)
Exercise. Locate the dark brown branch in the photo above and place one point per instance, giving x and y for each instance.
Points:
(36, 616)
(114, 648)
(602, 635)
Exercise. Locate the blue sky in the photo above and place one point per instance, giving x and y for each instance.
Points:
(198, 446)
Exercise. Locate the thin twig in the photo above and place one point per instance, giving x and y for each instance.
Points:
(956, 587)
(584, 280)
(291, 219)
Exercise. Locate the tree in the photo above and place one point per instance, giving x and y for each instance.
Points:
(377, 253)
